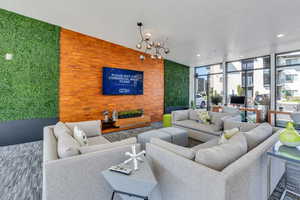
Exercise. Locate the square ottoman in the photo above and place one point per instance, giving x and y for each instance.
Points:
(178, 136)
(145, 137)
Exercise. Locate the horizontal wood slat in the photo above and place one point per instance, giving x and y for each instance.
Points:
(81, 61)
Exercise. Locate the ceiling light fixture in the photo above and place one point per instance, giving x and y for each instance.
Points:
(155, 48)
(280, 35)
(198, 55)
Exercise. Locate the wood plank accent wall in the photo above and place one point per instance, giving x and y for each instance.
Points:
(80, 95)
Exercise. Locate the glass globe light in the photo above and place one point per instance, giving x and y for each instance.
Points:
(142, 57)
(148, 46)
(167, 50)
(139, 46)
(147, 36)
(159, 57)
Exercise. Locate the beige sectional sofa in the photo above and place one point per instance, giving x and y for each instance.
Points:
(187, 119)
(79, 177)
(183, 174)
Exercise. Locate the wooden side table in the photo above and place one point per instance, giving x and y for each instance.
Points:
(276, 112)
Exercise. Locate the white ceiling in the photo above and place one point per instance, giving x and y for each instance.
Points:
(215, 29)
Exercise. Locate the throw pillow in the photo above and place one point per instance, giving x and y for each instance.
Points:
(80, 136)
(179, 150)
(193, 115)
(67, 146)
(102, 147)
(227, 134)
(91, 128)
(258, 135)
(61, 129)
(204, 117)
(220, 156)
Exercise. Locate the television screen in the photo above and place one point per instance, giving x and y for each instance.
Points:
(122, 81)
(237, 100)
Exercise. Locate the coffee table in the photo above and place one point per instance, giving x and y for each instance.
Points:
(138, 185)
(290, 155)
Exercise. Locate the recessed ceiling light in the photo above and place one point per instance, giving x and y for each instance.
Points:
(280, 35)
(198, 55)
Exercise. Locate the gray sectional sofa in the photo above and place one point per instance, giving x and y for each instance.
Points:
(184, 173)
(79, 177)
(187, 119)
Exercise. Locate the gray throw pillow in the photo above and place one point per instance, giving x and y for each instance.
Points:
(101, 147)
(67, 146)
(91, 128)
(180, 115)
(179, 150)
(258, 135)
(220, 156)
(61, 129)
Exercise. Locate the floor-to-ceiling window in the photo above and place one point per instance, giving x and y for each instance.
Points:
(208, 85)
(250, 78)
(287, 85)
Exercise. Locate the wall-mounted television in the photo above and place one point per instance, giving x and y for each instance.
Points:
(122, 82)
(237, 100)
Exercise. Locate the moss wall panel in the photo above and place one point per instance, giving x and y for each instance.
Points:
(176, 84)
(29, 82)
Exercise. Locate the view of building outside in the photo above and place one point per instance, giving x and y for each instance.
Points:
(250, 78)
(287, 85)
(209, 85)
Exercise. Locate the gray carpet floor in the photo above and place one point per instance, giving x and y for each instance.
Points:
(21, 167)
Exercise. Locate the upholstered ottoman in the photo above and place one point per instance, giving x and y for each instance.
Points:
(145, 137)
(178, 136)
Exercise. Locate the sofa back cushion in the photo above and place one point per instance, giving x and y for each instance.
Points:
(67, 146)
(194, 115)
(220, 156)
(101, 147)
(180, 115)
(179, 150)
(217, 118)
(242, 126)
(61, 129)
(258, 135)
(91, 128)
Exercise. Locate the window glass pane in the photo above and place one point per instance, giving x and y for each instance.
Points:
(292, 58)
(235, 83)
(201, 88)
(234, 66)
(287, 92)
(249, 64)
(216, 91)
(211, 69)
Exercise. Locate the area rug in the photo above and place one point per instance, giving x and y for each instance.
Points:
(21, 167)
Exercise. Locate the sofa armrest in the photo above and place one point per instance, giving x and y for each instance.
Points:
(180, 115)
(181, 179)
(49, 145)
(80, 177)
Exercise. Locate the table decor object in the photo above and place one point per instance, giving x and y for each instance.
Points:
(134, 157)
(290, 137)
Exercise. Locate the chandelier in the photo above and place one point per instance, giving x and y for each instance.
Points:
(155, 48)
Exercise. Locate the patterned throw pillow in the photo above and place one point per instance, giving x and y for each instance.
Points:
(204, 117)
(80, 136)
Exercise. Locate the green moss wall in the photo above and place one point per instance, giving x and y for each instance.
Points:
(176, 84)
(28, 82)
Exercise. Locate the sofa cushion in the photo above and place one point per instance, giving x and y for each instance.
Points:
(217, 118)
(220, 156)
(101, 147)
(91, 128)
(61, 129)
(67, 146)
(97, 140)
(211, 128)
(180, 115)
(208, 144)
(258, 135)
(194, 115)
(242, 126)
(179, 150)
